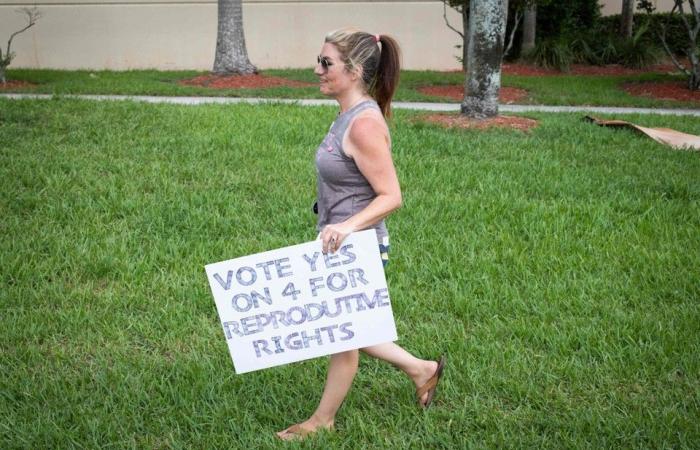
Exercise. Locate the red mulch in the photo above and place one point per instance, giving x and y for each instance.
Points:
(666, 90)
(13, 84)
(456, 92)
(458, 121)
(579, 69)
(242, 81)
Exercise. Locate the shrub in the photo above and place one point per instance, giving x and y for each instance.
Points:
(592, 49)
(638, 51)
(676, 34)
(557, 18)
(552, 54)
(607, 51)
(576, 33)
(554, 20)
(597, 48)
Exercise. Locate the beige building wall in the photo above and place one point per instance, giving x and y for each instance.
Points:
(166, 34)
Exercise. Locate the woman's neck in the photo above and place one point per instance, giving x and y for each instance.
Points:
(351, 99)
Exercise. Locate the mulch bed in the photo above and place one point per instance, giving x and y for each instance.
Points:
(579, 69)
(456, 92)
(664, 90)
(457, 121)
(13, 84)
(255, 81)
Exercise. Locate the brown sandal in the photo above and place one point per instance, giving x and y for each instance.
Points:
(297, 433)
(430, 386)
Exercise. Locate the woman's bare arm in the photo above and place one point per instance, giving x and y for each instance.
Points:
(367, 142)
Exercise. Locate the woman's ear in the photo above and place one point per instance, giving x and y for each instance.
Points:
(356, 73)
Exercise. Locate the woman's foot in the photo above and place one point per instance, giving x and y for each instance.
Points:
(431, 371)
(301, 430)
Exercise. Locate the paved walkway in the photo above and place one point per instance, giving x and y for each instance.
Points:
(398, 105)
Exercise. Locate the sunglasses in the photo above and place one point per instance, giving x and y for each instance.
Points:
(324, 62)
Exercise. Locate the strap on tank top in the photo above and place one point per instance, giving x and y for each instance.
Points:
(342, 122)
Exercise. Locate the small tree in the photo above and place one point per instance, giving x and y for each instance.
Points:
(5, 60)
(692, 51)
(462, 7)
(517, 17)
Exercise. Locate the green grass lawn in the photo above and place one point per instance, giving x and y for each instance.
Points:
(547, 90)
(557, 270)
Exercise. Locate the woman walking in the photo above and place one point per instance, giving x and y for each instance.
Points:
(357, 188)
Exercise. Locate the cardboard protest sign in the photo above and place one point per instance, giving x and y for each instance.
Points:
(296, 303)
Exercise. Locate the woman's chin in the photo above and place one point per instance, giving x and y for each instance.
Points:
(324, 90)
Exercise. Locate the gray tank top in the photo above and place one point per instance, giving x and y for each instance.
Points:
(342, 190)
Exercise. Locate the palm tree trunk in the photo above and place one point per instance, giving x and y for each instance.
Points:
(529, 27)
(231, 53)
(627, 18)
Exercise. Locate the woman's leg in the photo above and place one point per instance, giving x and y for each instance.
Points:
(419, 370)
(341, 371)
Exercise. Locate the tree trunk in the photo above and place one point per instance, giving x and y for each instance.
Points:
(231, 54)
(694, 78)
(516, 22)
(627, 18)
(529, 27)
(4, 62)
(692, 52)
(465, 38)
(487, 27)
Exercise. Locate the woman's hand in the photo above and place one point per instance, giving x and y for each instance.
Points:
(333, 235)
